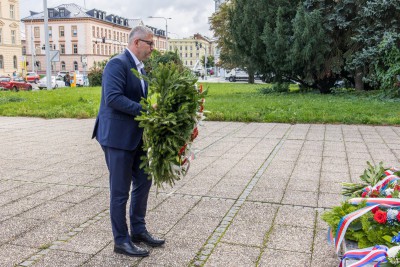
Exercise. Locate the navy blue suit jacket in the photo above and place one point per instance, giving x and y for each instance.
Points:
(121, 93)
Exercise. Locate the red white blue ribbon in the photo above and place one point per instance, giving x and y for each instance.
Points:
(388, 202)
(366, 256)
(382, 185)
(345, 222)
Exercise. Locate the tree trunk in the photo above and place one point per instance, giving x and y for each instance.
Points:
(358, 82)
(251, 76)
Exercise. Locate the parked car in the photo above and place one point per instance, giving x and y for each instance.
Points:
(15, 84)
(237, 74)
(62, 73)
(56, 82)
(32, 77)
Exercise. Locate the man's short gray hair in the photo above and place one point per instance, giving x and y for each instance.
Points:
(139, 32)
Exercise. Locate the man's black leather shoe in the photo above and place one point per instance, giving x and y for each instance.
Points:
(148, 239)
(130, 250)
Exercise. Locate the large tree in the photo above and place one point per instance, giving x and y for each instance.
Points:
(220, 23)
(356, 28)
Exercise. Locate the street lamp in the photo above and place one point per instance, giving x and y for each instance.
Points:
(32, 49)
(166, 27)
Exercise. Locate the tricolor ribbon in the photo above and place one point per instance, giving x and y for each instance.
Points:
(385, 182)
(345, 222)
(388, 202)
(366, 256)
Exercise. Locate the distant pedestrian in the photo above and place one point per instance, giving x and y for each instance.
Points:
(67, 80)
(14, 74)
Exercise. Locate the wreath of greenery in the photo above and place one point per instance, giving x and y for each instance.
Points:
(170, 127)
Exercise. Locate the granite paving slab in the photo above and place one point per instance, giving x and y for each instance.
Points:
(253, 196)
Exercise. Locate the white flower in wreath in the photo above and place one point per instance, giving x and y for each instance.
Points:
(392, 252)
(392, 255)
(389, 191)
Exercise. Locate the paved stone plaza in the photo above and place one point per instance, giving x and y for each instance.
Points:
(253, 195)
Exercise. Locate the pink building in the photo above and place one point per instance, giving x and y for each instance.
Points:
(82, 37)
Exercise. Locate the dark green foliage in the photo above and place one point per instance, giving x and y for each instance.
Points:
(168, 127)
(387, 69)
(157, 58)
(276, 88)
(210, 61)
(96, 73)
(315, 42)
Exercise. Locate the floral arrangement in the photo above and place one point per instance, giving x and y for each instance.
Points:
(370, 215)
(393, 257)
(170, 116)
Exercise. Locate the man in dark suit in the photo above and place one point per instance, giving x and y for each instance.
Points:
(120, 137)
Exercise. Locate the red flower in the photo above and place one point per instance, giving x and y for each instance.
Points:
(364, 194)
(398, 216)
(201, 88)
(374, 210)
(374, 193)
(380, 216)
(389, 196)
(201, 108)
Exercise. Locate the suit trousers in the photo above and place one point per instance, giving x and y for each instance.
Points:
(123, 166)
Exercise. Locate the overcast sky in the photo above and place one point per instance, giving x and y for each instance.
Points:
(188, 16)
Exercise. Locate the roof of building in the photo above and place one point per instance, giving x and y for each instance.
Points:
(75, 11)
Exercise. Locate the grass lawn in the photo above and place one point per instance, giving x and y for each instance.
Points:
(81, 102)
(225, 101)
(244, 102)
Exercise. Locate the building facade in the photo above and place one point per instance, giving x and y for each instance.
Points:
(191, 50)
(81, 37)
(10, 40)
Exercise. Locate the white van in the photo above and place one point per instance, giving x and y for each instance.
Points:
(236, 75)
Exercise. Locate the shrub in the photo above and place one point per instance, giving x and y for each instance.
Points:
(276, 88)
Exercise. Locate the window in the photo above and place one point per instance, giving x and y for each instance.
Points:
(93, 31)
(37, 32)
(191, 55)
(1, 35)
(50, 31)
(37, 49)
(62, 48)
(62, 65)
(61, 31)
(51, 13)
(109, 34)
(39, 65)
(11, 11)
(24, 50)
(75, 65)
(98, 32)
(13, 37)
(15, 62)
(75, 48)
(74, 31)
(1, 62)
(62, 12)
